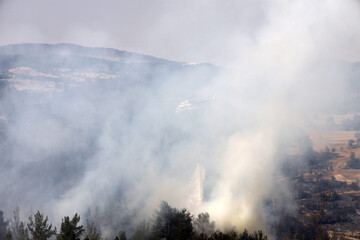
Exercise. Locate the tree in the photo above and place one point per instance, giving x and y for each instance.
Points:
(19, 230)
(202, 224)
(354, 186)
(121, 236)
(3, 226)
(229, 235)
(350, 143)
(39, 227)
(69, 229)
(354, 162)
(171, 223)
(142, 231)
(352, 156)
(357, 135)
(9, 235)
(91, 232)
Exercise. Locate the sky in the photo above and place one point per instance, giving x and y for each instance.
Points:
(190, 31)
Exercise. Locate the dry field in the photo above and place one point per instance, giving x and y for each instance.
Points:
(338, 142)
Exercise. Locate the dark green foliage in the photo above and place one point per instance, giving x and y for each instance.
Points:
(354, 162)
(218, 235)
(18, 228)
(3, 226)
(39, 227)
(354, 186)
(325, 155)
(171, 223)
(330, 196)
(142, 231)
(357, 137)
(202, 236)
(92, 232)
(290, 227)
(120, 236)
(9, 235)
(245, 235)
(259, 235)
(337, 216)
(69, 229)
(232, 235)
(352, 156)
(357, 204)
(202, 224)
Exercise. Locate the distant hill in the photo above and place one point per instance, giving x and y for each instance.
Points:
(43, 67)
(58, 101)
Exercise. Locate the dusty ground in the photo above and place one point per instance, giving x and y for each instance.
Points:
(337, 142)
(337, 139)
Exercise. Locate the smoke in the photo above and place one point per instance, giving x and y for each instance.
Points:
(169, 29)
(208, 142)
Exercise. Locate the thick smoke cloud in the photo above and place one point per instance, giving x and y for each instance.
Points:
(209, 145)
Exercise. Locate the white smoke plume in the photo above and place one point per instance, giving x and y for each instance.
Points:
(221, 136)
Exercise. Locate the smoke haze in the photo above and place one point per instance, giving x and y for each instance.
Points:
(200, 136)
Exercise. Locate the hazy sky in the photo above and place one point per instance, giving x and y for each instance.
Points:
(187, 30)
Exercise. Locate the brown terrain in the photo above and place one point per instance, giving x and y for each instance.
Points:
(329, 189)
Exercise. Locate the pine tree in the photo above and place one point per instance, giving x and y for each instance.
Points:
(9, 235)
(3, 226)
(142, 231)
(18, 228)
(92, 233)
(39, 227)
(171, 223)
(69, 229)
(121, 236)
(203, 225)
